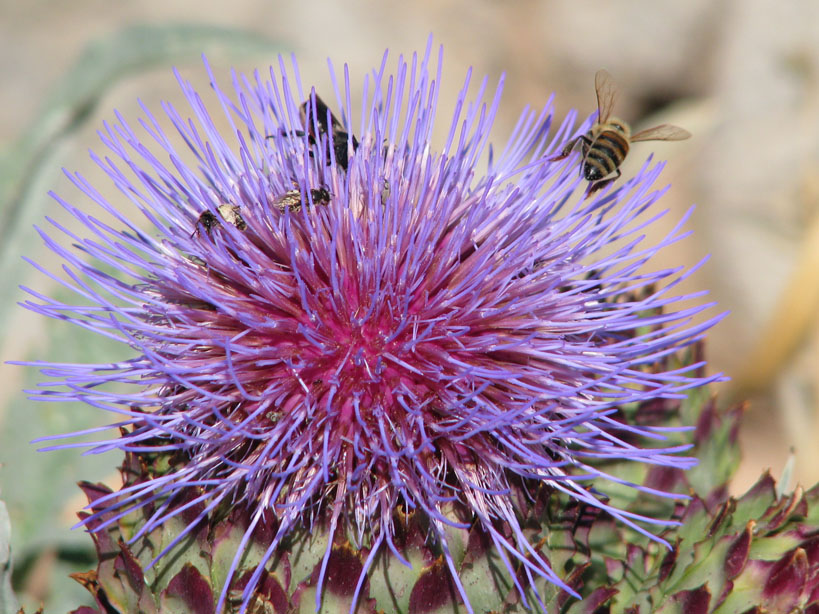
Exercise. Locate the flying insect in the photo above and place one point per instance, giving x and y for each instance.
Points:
(606, 145)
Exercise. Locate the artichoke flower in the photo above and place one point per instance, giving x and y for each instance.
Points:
(368, 372)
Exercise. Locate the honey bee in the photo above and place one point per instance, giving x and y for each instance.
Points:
(229, 213)
(292, 199)
(606, 145)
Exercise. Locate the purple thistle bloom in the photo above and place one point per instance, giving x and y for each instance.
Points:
(348, 329)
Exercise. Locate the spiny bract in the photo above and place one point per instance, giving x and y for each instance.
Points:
(755, 554)
(423, 339)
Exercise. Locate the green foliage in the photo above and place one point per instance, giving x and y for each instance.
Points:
(757, 551)
(7, 601)
(28, 166)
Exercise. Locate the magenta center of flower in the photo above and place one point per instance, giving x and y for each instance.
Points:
(361, 367)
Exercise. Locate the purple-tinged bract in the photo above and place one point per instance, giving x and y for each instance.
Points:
(337, 336)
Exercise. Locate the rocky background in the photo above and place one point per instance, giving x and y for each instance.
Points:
(741, 75)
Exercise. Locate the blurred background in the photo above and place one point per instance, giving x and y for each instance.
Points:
(741, 75)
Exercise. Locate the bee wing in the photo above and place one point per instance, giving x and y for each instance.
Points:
(663, 132)
(606, 92)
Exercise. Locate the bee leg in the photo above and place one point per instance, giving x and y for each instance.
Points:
(599, 185)
(567, 149)
(286, 133)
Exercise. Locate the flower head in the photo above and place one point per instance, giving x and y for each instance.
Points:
(334, 318)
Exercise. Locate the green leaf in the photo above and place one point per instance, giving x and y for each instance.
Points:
(8, 603)
(28, 167)
(44, 481)
(718, 450)
(391, 581)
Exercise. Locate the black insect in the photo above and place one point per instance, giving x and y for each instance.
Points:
(335, 134)
(207, 221)
(325, 123)
(229, 213)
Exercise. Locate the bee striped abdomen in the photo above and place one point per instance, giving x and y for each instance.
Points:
(605, 155)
